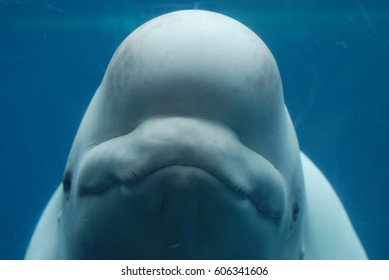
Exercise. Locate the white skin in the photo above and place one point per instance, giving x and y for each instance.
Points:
(181, 152)
(186, 151)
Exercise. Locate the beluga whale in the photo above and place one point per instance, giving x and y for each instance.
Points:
(187, 151)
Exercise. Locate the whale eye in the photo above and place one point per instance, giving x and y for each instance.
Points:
(67, 181)
(294, 215)
(295, 211)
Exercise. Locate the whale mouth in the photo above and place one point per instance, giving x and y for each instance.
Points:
(160, 143)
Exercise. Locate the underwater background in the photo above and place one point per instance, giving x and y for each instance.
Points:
(333, 56)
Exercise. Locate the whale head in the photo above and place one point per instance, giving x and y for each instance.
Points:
(186, 150)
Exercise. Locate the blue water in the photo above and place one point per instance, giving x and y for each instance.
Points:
(333, 57)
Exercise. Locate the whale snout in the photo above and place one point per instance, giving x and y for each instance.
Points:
(158, 144)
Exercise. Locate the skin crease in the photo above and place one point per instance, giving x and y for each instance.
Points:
(187, 151)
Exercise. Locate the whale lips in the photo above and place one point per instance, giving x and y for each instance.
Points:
(160, 143)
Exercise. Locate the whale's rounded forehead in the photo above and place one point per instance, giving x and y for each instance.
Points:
(194, 63)
(194, 46)
(206, 36)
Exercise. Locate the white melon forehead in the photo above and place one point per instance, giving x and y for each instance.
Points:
(194, 64)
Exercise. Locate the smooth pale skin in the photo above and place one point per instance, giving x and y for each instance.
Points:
(187, 151)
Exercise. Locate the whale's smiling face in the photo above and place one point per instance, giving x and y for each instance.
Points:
(186, 150)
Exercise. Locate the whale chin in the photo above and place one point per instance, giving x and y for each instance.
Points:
(176, 212)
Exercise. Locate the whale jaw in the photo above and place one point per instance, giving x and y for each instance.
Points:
(168, 196)
(178, 212)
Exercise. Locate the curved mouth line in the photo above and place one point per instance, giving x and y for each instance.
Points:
(134, 177)
(147, 149)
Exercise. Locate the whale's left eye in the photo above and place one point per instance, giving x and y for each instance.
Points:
(67, 181)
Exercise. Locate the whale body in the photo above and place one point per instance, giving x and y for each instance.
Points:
(187, 151)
